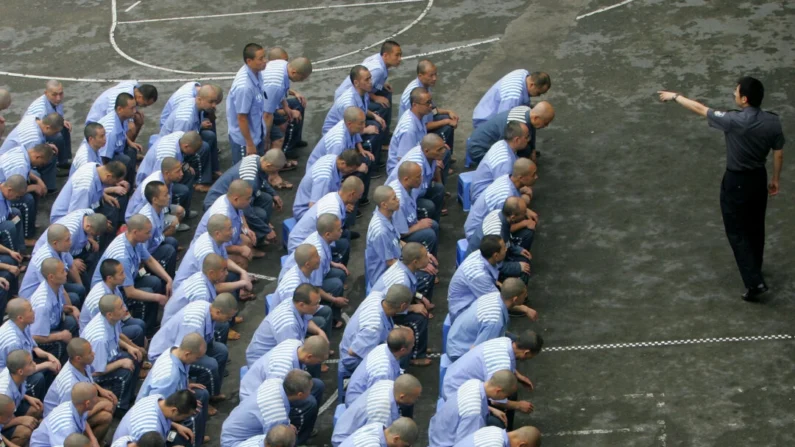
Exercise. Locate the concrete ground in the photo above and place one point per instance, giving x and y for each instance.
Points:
(630, 253)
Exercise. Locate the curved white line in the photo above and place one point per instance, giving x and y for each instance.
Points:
(606, 8)
(221, 78)
(406, 28)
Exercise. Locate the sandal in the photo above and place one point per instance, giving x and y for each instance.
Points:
(211, 411)
(324, 368)
(444, 212)
(238, 320)
(339, 324)
(284, 184)
(289, 166)
(146, 365)
(233, 335)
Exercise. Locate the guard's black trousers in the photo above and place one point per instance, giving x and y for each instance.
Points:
(743, 201)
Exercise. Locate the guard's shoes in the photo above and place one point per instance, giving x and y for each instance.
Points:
(355, 235)
(755, 295)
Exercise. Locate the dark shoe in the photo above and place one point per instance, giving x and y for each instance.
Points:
(376, 175)
(359, 213)
(364, 202)
(516, 314)
(355, 235)
(300, 144)
(66, 165)
(755, 295)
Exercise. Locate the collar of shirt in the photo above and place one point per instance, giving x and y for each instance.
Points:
(303, 320)
(254, 79)
(80, 377)
(24, 336)
(409, 274)
(388, 224)
(78, 419)
(182, 369)
(111, 334)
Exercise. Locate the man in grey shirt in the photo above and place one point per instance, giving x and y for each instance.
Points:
(750, 135)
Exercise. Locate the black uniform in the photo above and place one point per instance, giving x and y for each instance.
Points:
(750, 135)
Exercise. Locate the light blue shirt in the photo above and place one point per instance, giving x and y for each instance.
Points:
(507, 93)
(168, 375)
(257, 414)
(41, 107)
(334, 141)
(479, 363)
(288, 282)
(378, 71)
(158, 221)
(186, 91)
(498, 162)
(222, 206)
(10, 389)
(104, 339)
(143, 417)
(406, 215)
(375, 406)
(380, 364)
(194, 258)
(58, 425)
(398, 273)
(167, 146)
(275, 84)
(283, 323)
(323, 250)
(13, 338)
(14, 161)
(405, 100)
(61, 389)
(194, 318)
(27, 134)
(330, 203)
(474, 278)
(492, 198)
(197, 288)
(83, 190)
(33, 276)
(128, 255)
(74, 223)
(185, 117)
(115, 135)
(273, 365)
(368, 327)
(484, 320)
(408, 133)
(460, 416)
(106, 102)
(245, 97)
(371, 435)
(350, 98)
(383, 244)
(416, 155)
(486, 437)
(322, 178)
(247, 169)
(85, 154)
(48, 307)
(138, 199)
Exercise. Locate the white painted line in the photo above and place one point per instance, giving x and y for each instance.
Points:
(664, 343)
(132, 6)
(604, 431)
(607, 8)
(223, 78)
(266, 278)
(403, 30)
(331, 401)
(270, 11)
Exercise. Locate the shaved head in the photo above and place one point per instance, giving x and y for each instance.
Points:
(17, 359)
(405, 428)
(353, 114)
(137, 222)
(7, 406)
(352, 184)
(107, 303)
(276, 53)
(83, 391)
(192, 139)
(512, 287)
(16, 307)
(424, 66)
(302, 67)
(326, 223)
(217, 222)
(57, 233)
(529, 434)
(193, 342)
(17, 184)
(239, 188)
(382, 194)
(542, 111)
(430, 141)
(5, 99)
(226, 303)
(398, 295)
(51, 266)
(304, 252)
(97, 222)
(212, 262)
(78, 347)
(280, 436)
(408, 169)
(76, 440)
(169, 163)
(522, 166)
(413, 251)
(275, 157)
(408, 385)
(514, 206)
(317, 346)
(211, 91)
(53, 84)
(504, 380)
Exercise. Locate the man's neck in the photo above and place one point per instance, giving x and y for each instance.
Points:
(387, 312)
(129, 238)
(405, 186)
(17, 379)
(54, 286)
(21, 326)
(410, 268)
(385, 212)
(514, 149)
(158, 209)
(516, 183)
(360, 91)
(110, 286)
(416, 113)
(80, 369)
(305, 270)
(111, 321)
(328, 240)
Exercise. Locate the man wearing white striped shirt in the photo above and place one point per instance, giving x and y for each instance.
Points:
(401, 433)
(478, 275)
(442, 122)
(68, 418)
(500, 158)
(157, 413)
(52, 102)
(245, 106)
(527, 436)
(410, 129)
(382, 363)
(325, 176)
(514, 89)
(22, 161)
(31, 131)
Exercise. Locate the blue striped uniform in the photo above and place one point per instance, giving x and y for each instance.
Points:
(186, 91)
(406, 215)
(194, 258)
(486, 437)
(275, 84)
(378, 71)
(408, 133)
(130, 257)
(115, 135)
(74, 223)
(124, 441)
(474, 278)
(14, 161)
(167, 146)
(480, 363)
(322, 178)
(485, 319)
(497, 162)
(83, 190)
(27, 134)
(5, 209)
(168, 375)
(273, 365)
(106, 102)
(193, 318)
(61, 390)
(460, 416)
(222, 205)
(138, 199)
(335, 140)
(58, 425)
(33, 276)
(158, 226)
(380, 364)
(495, 224)
(247, 169)
(256, 415)
(48, 307)
(375, 406)
(383, 244)
(143, 417)
(350, 98)
(507, 93)
(398, 273)
(405, 100)
(323, 250)
(41, 107)
(492, 198)
(283, 323)
(10, 389)
(13, 338)
(185, 117)
(196, 288)
(104, 339)
(245, 97)
(368, 327)
(371, 435)
(288, 282)
(85, 154)
(254, 441)
(416, 155)
(331, 203)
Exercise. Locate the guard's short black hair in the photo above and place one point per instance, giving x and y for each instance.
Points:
(250, 51)
(388, 46)
(752, 89)
(184, 401)
(116, 168)
(350, 157)
(122, 100)
(490, 245)
(108, 268)
(151, 190)
(149, 92)
(91, 130)
(531, 341)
